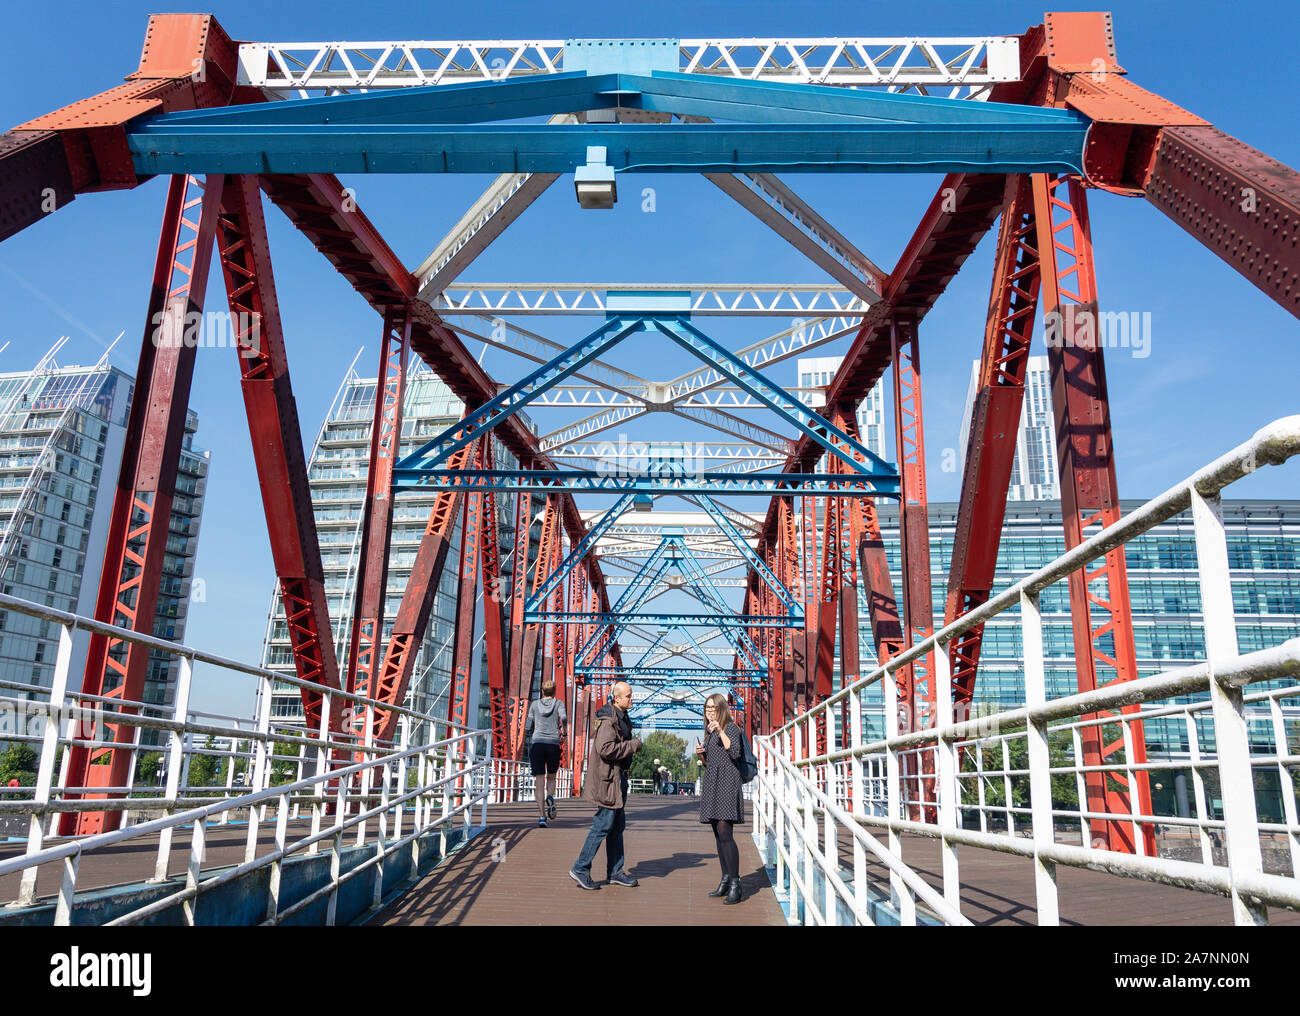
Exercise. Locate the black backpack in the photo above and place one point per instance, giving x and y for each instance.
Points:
(747, 764)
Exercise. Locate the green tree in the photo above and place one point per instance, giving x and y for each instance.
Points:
(19, 763)
(669, 749)
(1060, 753)
(204, 769)
(148, 766)
(284, 768)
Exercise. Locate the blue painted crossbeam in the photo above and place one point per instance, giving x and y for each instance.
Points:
(708, 620)
(591, 480)
(632, 148)
(455, 129)
(691, 673)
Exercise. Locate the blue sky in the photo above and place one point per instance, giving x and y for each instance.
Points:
(1223, 358)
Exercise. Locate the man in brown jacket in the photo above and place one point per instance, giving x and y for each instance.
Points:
(612, 748)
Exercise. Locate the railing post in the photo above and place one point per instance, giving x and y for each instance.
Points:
(318, 789)
(859, 798)
(336, 844)
(898, 889)
(1231, 736)
(281, 837)
(381, 841)
(263, 749)
(403, 744)
(184, 681)
(45, 767)
(778, 815)
(67, 891)
(945, 749)
(1040, 779)
(197, 844)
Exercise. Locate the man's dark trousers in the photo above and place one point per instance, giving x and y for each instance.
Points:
(608, 825)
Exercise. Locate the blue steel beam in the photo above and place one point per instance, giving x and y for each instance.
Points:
(701, 620)
(636, 148)
(594, 481)
(710, 596)
(633, 596)
(686, 673)
(578, 552)
(755, 562)
(772, 395)
(520, 394)
(661, 91)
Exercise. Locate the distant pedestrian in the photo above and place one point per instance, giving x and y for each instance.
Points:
(545, 724)
(721, 804)
(612, 748)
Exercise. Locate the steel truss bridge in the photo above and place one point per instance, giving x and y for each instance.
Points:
(1024, 128)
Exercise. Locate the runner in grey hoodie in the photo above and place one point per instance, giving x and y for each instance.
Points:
(545, 725)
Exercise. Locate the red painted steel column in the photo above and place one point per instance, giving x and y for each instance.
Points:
(517, 696)
(916, 696)
(377, 512)
(991, 445)
(277, 442)
(141, 515)
(542, 567)
(805, 685)
(1099, 597)
(417, 602)
(493, 622)
(471, 538)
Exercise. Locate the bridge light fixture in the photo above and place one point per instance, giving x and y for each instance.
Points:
(594, 182)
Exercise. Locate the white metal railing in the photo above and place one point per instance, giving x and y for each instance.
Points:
(998, 772)
(512, 782)
(427, 779)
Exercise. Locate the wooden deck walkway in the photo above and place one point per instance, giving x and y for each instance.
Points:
(668, 851)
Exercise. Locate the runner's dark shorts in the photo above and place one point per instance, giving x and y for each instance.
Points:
(545, 758)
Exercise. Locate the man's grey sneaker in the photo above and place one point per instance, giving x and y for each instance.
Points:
(541, 823)
(550, 806)
(623, 879)
(582, 879)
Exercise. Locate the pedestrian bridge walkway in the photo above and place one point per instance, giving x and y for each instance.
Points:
(517, 873)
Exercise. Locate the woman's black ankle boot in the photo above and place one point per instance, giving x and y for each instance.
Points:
(723, 886)
(734, 894)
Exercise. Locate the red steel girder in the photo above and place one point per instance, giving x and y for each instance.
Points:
(277, 442)
(412, 618)
(517, 695)
(188, 62)
(916, 691)
(991, 445)
(1104, 651)
(141, 514)
(472, 533)
(493, 622)
(543, 565)
(377, 511)
(1239, 202)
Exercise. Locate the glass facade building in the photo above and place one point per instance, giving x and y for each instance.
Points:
(817, 372)
(1168, 626)
(1034, 471)
(337, 475)
(62, 432)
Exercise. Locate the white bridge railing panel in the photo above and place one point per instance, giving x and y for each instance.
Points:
(1016, 781)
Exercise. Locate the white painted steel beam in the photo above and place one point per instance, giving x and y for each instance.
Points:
(957, 67)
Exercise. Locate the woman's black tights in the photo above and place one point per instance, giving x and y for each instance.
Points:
(728, 852)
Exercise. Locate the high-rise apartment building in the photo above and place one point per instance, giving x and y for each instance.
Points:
(337, 472)
(62, 432)
(817, 372)
(1034, 474)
